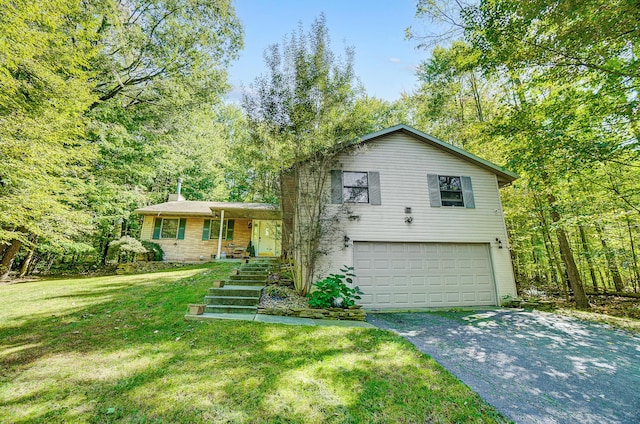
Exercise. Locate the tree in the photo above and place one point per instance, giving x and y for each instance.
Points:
(46, 89)
(564, 78)
(159, 83)
(298, 111)
(98, 106)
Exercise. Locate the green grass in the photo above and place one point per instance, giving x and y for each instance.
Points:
(117, 349)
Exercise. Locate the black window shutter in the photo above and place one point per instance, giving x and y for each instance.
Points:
(230, 226)
(336, 186)
(467, 193)
(157, 226)
(181, 228)
(434, 190)
(206, 229)
(374, 188)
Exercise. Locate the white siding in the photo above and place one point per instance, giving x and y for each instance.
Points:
(403, 163)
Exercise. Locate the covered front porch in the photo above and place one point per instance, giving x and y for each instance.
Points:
(257, 230)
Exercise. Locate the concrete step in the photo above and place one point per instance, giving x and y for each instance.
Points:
(230, 309)
(251, 276)
(252, 268)
(248, 291)
(260, 283)
(231, 300)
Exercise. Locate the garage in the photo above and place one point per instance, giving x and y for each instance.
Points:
(396, 275)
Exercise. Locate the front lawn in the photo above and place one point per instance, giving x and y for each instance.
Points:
(117, 349)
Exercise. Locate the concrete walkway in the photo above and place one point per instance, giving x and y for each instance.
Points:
(275, 319)
(533, 367)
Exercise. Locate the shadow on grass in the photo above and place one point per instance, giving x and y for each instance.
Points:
(129, 355)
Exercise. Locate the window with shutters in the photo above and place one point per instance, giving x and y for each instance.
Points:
(355, 187)
(447, 190)
(450, 190)
(211, 229)
(169, 228)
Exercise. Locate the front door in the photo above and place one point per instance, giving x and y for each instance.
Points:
(266, 237)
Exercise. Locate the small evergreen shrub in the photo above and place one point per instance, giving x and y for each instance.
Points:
(333, 291)
(154, 251)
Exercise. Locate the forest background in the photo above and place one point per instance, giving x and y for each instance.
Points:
(105, 104)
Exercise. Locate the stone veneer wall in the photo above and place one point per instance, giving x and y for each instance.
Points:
(353, 314)
(143, 267)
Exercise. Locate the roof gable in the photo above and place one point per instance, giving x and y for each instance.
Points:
(504, 176)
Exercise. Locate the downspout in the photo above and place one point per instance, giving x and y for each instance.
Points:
(220, 234)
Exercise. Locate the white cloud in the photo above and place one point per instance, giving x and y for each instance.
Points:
(394, 60)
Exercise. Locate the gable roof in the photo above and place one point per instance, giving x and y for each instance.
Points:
(505, 177)
(205, 209)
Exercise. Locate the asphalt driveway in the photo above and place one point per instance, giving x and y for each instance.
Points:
(533, 367)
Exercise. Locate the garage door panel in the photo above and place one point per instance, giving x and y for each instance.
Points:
(423, 274)
(485, 296)
(366, 299)
(398, 263)
(415, 264)
(401, 299)
(383, 299)
(436, 299)
(380, 248)
(381, 264)
(363, 264)
(416, 281)
(411, 248)
(419, 297)
(396, 248)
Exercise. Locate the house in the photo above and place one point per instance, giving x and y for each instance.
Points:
(420, 221)
(190, 231)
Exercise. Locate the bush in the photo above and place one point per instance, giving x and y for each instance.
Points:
(154, 251)
(125, 249)
(334, 292)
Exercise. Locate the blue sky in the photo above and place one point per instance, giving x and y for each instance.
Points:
(384, 61)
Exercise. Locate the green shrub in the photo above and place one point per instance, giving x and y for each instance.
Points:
(154, 251)
(125, 249)
(334, 292)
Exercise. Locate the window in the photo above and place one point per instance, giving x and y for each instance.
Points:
(211, 229)
(450, 191)
(355, 187)
(169, 228)
(446, 190)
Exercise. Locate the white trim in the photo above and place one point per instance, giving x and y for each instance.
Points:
(220, 233)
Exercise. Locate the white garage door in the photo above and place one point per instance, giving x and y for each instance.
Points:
(423, 275)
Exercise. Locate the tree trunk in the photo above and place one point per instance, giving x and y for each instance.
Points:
(8, 258)
(567, 257)
(476, 97)
(636, 272)
(587, 254)
(24, 269)
(611, 261)
(554, 264)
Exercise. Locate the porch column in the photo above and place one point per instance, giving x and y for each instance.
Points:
(220, 234)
